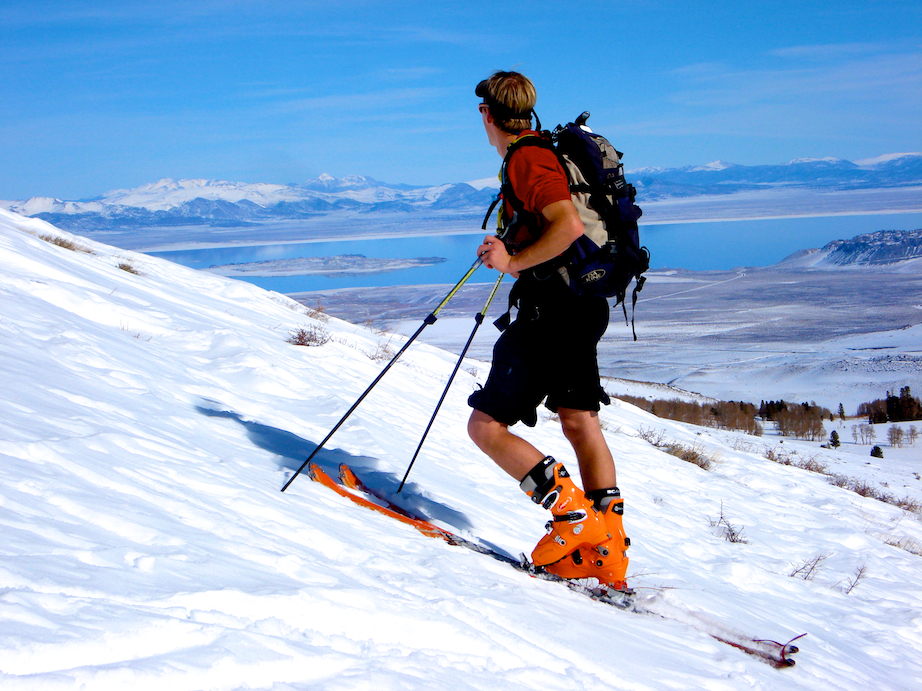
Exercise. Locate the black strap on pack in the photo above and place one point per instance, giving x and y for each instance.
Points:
(507, 194)
(496, 200)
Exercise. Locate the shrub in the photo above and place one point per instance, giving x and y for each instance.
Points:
(383, 351)
(311, 336)
(730, 532)
(877, 452)
(907, 544)
(318, 312)
(125, 266)
(696, 455)
(65, 243)
(808, 569)
(860, 573)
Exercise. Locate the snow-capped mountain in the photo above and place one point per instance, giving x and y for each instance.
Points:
(720, 177)
(170, 202)
(900, 249)
(170, 194)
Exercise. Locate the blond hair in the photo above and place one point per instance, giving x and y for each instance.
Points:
(511, 98)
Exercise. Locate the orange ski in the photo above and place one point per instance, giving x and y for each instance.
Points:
(423, 526)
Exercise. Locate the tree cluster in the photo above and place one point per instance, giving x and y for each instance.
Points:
(897, 436)
(863, 434)
(803, 421)
(893, 408)
(731, 415)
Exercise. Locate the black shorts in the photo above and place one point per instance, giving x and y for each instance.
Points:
(549, 351)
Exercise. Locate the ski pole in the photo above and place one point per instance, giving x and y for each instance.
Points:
(478, 320)
(431, 319)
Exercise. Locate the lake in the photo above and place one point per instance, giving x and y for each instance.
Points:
(715, 245)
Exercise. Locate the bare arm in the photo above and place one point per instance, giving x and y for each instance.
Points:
(564, 227)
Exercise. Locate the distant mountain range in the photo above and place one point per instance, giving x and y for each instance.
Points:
(899, 249)
(234, 204)
(891, 170)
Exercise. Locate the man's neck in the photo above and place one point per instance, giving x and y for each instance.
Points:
(503, 140)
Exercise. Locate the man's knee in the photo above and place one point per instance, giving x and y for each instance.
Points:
(473, 427)
(481, 427)
(579, 425)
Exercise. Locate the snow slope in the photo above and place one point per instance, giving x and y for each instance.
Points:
(148, 421)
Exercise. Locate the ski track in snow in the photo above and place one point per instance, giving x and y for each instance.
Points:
(147, 423)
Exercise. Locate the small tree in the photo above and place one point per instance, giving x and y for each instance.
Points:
(864, 432)
(841, 412)
(895, 436)
(877, 452)
(834, 440)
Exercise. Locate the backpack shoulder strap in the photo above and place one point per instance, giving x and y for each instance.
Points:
(524, 140)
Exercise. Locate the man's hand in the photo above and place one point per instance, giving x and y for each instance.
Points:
(564, 227)
(494, 255)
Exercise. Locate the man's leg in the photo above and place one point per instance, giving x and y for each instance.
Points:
(575, 521)
(509, 451)
(583, 431)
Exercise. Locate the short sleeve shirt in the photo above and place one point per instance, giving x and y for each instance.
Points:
(537, 178)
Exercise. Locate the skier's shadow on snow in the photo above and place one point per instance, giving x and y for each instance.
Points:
(292, 450)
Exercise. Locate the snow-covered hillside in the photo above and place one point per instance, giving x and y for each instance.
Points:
(149, 415)
(901, 250)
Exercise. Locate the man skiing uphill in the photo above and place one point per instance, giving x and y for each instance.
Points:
(548, 352)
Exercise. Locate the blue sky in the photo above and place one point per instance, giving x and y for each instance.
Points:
(103, 95)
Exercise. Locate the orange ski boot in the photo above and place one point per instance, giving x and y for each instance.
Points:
(607, 561)
(576, 521)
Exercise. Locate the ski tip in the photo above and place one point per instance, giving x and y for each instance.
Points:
(773, 652)
(790, 649)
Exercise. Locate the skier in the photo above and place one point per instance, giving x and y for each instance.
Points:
(548, 352)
